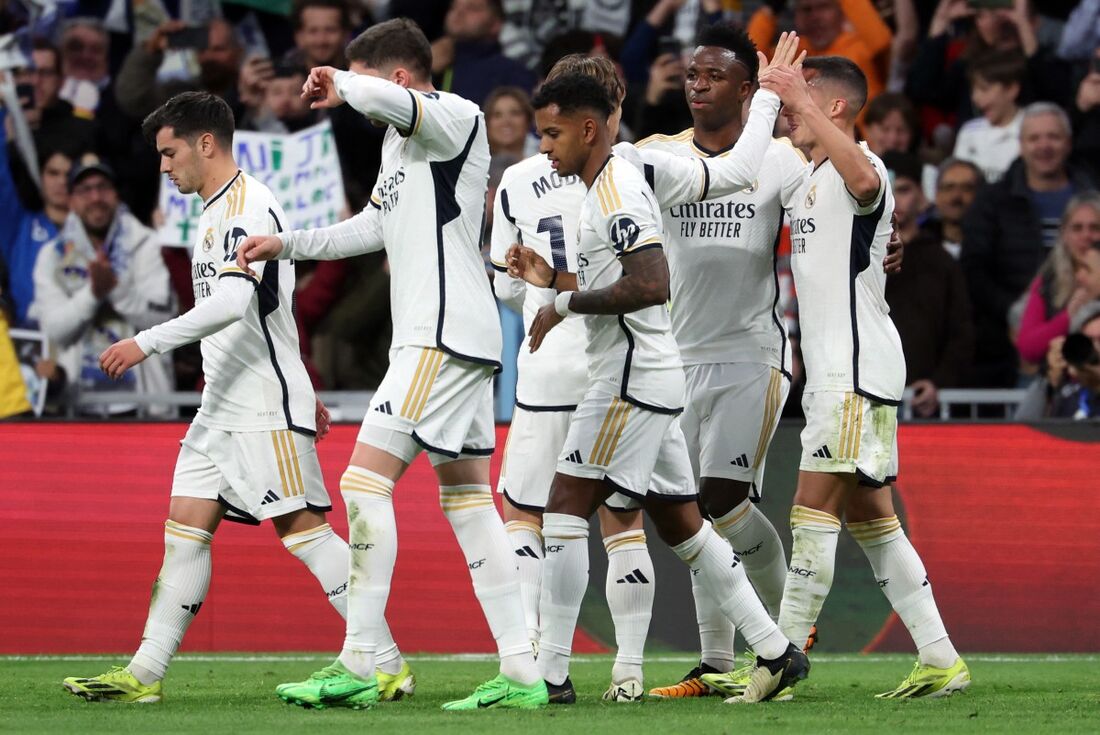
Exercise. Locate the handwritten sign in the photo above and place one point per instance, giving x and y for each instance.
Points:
(301, 169)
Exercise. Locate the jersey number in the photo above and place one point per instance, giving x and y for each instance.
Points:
(554, 226)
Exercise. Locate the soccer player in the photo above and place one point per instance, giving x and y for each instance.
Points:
(536, 206)
(624, 443)
(855, 373)
(426, 211)
(249, 454)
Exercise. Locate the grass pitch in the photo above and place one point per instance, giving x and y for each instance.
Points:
(234, 693)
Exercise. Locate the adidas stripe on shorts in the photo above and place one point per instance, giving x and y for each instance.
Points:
(535, 439)
(445, 404)
(730, 417)
(641, 451)
(254, 474)
(846, 432)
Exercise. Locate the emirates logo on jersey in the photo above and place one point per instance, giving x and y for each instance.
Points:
(208, 240)
(811, 196)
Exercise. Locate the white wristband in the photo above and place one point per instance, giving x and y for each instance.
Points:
(561, 303)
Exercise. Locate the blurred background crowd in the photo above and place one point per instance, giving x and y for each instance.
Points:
(986, 113)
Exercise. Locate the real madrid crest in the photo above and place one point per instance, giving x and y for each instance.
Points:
(811, 196)
(208, 240)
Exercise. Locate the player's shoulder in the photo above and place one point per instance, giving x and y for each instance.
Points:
(671, 143)
(618, 186)
(449, 102)
(529, 168)
(783, 149)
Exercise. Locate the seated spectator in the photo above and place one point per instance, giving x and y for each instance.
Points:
(139, 92)
(1008, 232)
(102, 279)
(1068, 390)
(508, 120)
(992, 140)
(957, 183)
(279, 107)
(928, 300)
(468, 59)
(23, 229)
(1054, 298)
(850, 28)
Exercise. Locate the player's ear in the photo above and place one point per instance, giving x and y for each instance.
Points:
(591, 128)
(401, 76)
(206, 144)
(746, 89)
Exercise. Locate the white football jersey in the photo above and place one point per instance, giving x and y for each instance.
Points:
(633, 355)
(849, 342)
(722, 256)
(255, 379)
(540, 209)
(430, 194)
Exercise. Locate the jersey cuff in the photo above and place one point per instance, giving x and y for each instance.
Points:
(648, 245)
(239, 273)
(417, 115)
(500, 267)
(706, 181)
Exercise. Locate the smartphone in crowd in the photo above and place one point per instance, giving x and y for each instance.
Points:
(669, 45)
(25, 94)
(192, 37)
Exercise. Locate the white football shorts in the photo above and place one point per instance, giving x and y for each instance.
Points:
(535, 439)
(443, 403)
(730, 416)
(254, 474)
(846, 432)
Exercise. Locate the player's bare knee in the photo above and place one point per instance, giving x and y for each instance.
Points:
(720, 495)
(614, 521)
(196, 513)
(520, 515)
(870, 503)
(297, 521)
(827, 492)
(378, 460)
(675, 522)
(473, 471)
(576, 496)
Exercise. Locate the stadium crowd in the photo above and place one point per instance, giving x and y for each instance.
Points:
(987, 114)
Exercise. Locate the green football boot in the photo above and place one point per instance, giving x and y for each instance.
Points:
(929, 681)
(501, 692)
(332, 686)
(392, 687)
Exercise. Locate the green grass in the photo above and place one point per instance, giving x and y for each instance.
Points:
(211, 695)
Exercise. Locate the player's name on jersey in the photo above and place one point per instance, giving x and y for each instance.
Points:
(712, 220)
(544, 184)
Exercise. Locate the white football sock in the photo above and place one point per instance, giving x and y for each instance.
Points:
(755, 540)
(178, 594)
(564, 580)
(372, 532)
(810, 577)
(630, 589)
(526, 538)
(904, 581)
(490, 559)
(326, 555)
(716, 632)
(712, 560)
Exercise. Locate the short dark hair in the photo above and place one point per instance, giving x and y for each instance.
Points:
(600, 68)
(190, 114)
(998, 67)
(880, 108)
(301, 6)
(904, 166)
(843, 72)
(573, 93)
(396, 41)
(732, 38)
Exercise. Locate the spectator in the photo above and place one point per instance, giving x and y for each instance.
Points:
(927, 299)
(1081, 34)
(890, 123)
(822, 28)
(1008, 232)
(992, 141)
(321, 28)
(85, 47)
(1068, 390)
(957, 183)
(643, 45)
(102, 279)
(508, 120)
(529, 26)
(468, 59)
(1086, 115)
(13, 391)
(1054, 298)
(51, 118)
(23, 230)
(279, 106)
(138, 91)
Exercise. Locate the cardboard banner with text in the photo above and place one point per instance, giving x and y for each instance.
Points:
(301, 169)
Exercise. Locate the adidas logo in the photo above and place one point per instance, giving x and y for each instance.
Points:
(575, 456)
(527, 551)
(193, 608)
(270, 497)
(741, 461)
(385, 408)
(635, 577)
(823, 453)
